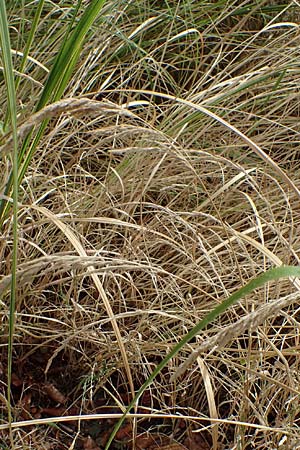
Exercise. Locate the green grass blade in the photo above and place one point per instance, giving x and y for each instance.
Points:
(260, 280)
(55, 86)
(60, 75)
(68, 56)
(12, 110)
(29, 41)
(28, 44)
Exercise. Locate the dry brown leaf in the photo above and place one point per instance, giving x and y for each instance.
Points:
(144, 441)
(15, 380)
(174, 446)
(156, 441)
(60, 411)
(124, 432)
(54, 393)
(196, 442)
(25, 403)
(90, 444)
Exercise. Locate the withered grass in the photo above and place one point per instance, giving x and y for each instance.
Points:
(138, 214)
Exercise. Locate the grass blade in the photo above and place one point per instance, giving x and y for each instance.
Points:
(12, 110)
(260, 280)
(29, 41)
(68, 56)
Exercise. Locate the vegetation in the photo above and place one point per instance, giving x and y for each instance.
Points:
(149, 221)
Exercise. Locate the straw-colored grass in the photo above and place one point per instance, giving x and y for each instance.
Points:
(161, 179)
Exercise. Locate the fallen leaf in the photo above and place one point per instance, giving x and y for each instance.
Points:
(15, 380)
(144, 441)
(196, 442)
(156, 441)
(60, 411)
(124, 432)
(174, 446)
(25, 404)
(90, 444)
(54, 393)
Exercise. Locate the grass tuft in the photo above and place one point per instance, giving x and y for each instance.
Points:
(149, 230)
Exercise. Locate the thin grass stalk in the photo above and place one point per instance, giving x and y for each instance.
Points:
(259, 281)
(29, 41)
(12, 110)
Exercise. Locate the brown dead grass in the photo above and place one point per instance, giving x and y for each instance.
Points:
(138, 216)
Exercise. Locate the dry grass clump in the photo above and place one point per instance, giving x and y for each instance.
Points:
(138, 215)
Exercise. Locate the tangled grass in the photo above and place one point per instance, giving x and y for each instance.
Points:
(138, 214)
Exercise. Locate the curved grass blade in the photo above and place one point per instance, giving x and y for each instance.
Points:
(12, 111)
(260, 280)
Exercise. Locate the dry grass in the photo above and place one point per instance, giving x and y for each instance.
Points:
(139, 214)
